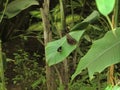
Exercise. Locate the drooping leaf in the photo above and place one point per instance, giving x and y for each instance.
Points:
(53, 55)
(90, 19)
(16, 6)
(36, 14)
(105, 6)
(36, 27)
(103, 53)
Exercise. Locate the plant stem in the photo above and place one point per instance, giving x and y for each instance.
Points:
(111, 25)
(99, 84)
(116, 13)
(4, 11)
(2, 87)
(65, 62)
(109, 21)
(62, 9)
(72, 11)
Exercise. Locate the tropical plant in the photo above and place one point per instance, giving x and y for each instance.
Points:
(103, 52)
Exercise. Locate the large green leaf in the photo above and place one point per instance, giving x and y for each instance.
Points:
(16, 6)
(103, 53)
(105, 6)
(53, 56)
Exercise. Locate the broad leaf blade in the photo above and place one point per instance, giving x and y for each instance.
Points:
(105, 6)
(16, 6)
(53, 56)
(103, 53)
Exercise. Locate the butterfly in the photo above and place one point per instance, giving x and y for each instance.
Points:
(70, 39)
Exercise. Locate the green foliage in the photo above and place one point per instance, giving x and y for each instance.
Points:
(36, 14)
(103, 53)
(88, 20)
(2, 79)
(16, 6)
(105, 6)
(36, 83)
(110, 87)
(69, 19)
(53, 56)
(55, 12)
(83, 83)
(80, 85)
(4, 60)
(36, 27)
(28, 72)
(2, 14)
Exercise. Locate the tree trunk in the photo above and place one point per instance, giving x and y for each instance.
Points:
(50, 76)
